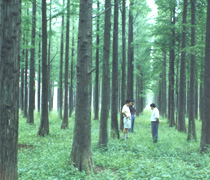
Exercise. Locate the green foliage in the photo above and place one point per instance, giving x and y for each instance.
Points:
(42, 158)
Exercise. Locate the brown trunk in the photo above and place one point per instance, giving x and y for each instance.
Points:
(81, 154)
(205, 133)
(114, 101)
(10, 28)
(123, 83)
(44, 124)
(103, 135)
(182, 96)
(39, 75)
(130, 54)
(30, 118)
(65, 118)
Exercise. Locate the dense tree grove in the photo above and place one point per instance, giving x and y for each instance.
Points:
(84, 58)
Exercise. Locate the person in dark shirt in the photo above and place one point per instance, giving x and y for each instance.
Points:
(133, 115)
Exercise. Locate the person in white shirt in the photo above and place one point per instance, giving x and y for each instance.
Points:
(154, 122)
(126, 118)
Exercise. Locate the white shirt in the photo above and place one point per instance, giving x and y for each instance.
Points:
(126, 110)
(155, 114)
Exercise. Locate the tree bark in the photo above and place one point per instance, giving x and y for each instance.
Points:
(130, 54)
(191, 124)
(114, 107)
(44, 124)
(65, 118)
(22, 80)
(39, 76)
(164, 95)
(30, 118)
(182, 96)
(71, 108)
(81, 154)
(96, 109)
(61, 69)
(205, 133)
(103, 135)
(10, 34)
(123, 83)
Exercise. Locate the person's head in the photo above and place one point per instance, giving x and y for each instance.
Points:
(152, 106)
(128, 102)
(132, 102)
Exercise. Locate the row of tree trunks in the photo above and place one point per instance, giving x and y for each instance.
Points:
(10, 38)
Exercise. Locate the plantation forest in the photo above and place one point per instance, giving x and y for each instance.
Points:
(68, 68)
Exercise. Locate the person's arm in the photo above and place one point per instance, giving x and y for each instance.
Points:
(124, 114)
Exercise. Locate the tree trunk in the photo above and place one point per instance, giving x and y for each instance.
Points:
(205, 133)
(171, 74)
(72, 76)
(103, 135)
(81, 153)
(22, 80)
(26, 78)
(196, 92)
(10, 28)
(130, 54)
(163, 99)
(65, 118)
(191, 124)
(182, 96)
(30, 118)
(114, 110)
(96, 109)
(61, 69)
(44, 124)
(123, 83)
(39, 76)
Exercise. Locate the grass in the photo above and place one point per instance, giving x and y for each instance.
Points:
(47, 158)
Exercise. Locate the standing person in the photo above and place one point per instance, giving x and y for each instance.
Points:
(133, 115)
(154, 122)
(126, 118)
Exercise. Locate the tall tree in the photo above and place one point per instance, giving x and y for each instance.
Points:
(26, 77)
(96, 107)
(205, 133)
(72, 76)
(163, 87)
(61, 69)
(123, 83)
(130, 54)
(65, 118)
(30, 118)
(10, 22)
(191, 124)
(39, 75)
(81, 153)
(182, 96)
(103, 135)
(114, 101)
(44, 124)
(22, 79)
(171, 71)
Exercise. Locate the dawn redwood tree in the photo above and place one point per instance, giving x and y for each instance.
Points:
(10, 34)
(96, 106)
(65, 118)
(205, 132)
(123, 82)
(30, 118)
(72, 76)
(182, 96)
(103, 135)
(39, 75)
(60, 99)
(163, 87)
(130, 54)
(171, 72)
(44, 123)
(81, 154)
(191, 124)
(114, 101)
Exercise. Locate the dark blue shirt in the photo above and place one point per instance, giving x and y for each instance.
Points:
(132, 109)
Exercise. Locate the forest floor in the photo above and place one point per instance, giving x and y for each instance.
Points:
(47, 158)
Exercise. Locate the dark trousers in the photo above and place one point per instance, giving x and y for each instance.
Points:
(132, 123)
(154, 126)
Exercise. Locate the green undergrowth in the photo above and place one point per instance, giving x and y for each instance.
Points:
(47, 158)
